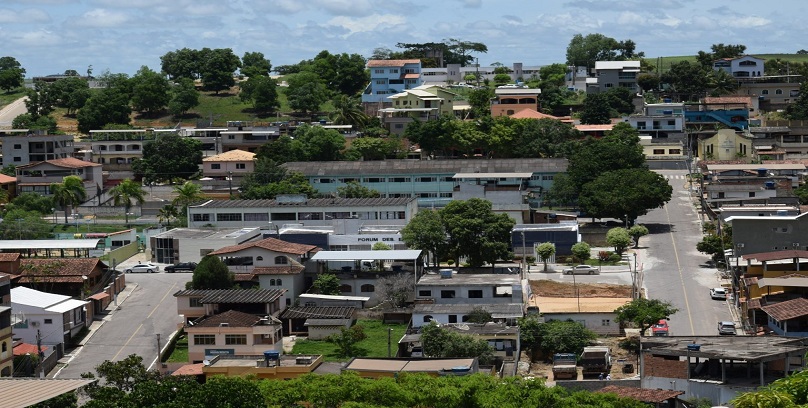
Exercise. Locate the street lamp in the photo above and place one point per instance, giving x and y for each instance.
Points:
(53, 210)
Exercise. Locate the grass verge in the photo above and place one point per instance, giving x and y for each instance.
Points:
(375, 345)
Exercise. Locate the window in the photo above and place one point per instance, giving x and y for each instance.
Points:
(272, 282)
(279, 282)
(427, 318)
(17, 158)
(425, 293)
(447, 294)
(641, 125)
(400, 179)
(751, 194)
(609, 85)
(195, 302)
(241, 166)
(605, 322)
(281, 260)
(235, 339)
(200, 217)
(256, 217)
(659, 151)
(452, 318)
(764, 92)
(284, 216)
(380, 82)
(345, 289)
(476, 294)
(215, 166)
(259, 258)
(309, 216)
(378, 71)
(547, 177)
(18, 146)
(48, 321)
(425, 179)
(204, 339)
(778, 91)
(367, 288)
(374, 180)
(228, 217)
(674, 151)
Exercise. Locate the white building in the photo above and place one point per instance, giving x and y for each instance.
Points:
(55, 317)
(191, 245)
(741, 67)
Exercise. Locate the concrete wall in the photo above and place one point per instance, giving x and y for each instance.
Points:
(769, 234)
(604, 324)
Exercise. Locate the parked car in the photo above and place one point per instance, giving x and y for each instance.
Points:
(143, 267)
(181, 267)
(660, 329)
(582, 270)
(726, 328)
(718, 293)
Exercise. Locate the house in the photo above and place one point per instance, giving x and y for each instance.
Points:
(612, 74)
(725, 145)
(790, 317)
(509, 101)
(231, 165)
(191, 245)
(788, 172)
(56, 317)
(453, 74)
(745, 66)
(765, 291)
(459, 288)
(659, 120)
(28, 147)
(277, 264)
(664, 152)
(267, 366)
(76, 277)
(246, 136)
(424, 313)
(9, 186)
(703, 117)
(529, 113)
(564, 234)
(422, 103)
(116, 149)
(503, 339)
(595, 313)
(755, 235)
(771, 92)
(317, 322)
(6, 352)
(232, 333)
(389, 77)
(37, 177)
(718, 368)
(392, 367)
(197, 303)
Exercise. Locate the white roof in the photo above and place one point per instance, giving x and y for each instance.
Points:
(768, 166)
(491, 175)
(616, 64)
(402, 255)
(334, 297)
(31, 297)
(49, 244)
(517, 91)
(66, 306)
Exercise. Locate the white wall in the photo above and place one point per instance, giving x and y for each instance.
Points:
(592, 321)
(51, 334)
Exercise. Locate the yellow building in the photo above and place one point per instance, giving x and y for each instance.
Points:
(423, 103)
(726, 144)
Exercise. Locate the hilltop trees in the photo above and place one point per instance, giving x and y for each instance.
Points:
(262, 91)
(150, 91)
(583, 51)
(306, 92)
(215, 67)
(12, 74)
(255, 64)
(184, 96)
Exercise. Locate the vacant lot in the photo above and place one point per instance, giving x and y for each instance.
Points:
(548, 288)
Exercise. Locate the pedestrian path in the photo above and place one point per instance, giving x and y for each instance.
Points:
(676, 177)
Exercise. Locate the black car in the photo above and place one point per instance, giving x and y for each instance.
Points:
(181, 267)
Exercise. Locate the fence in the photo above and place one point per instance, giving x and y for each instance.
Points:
(123, 253)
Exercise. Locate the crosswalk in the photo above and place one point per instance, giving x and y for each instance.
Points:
(676, 177)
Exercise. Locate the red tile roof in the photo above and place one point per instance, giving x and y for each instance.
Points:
(641, 394)
(590, 128)
(410, 76)
(7, 179)
(270, 244)
(787, 310)
(243, 277)
(531, 114)
(22, 349)
(392, 63)
(291, 269)
(233, 318)
(62, 267)
(189, 369)
(9, 256)
(68, 162)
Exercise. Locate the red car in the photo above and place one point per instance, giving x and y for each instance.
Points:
(660, 329)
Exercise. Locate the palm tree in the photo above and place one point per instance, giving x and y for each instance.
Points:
(69, 193)
(348, 111)
(125, 192)
(167, 213)
(187, 193)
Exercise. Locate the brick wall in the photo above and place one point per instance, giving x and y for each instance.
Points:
(657, 366)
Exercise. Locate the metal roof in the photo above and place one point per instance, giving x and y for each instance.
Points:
(491, 175)
(408, 166)
(67, 305)
(318, 312)
(24, 392)
(399, 255)
(749, 348)
(233, 295)
(22, 295)
(497, 310)
(333, 297)
(312, 202)
(767, 166)
(49, 244)
(471, 279)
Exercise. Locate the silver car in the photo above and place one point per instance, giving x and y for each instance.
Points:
(582, 270)
(726, 328)
(143, 267)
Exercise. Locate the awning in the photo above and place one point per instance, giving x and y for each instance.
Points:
(100, 296)
(411, 76)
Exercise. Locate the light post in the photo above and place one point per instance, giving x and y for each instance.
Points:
(230, 183)
(76, 218)
(53, 210)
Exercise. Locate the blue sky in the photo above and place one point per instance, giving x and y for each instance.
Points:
(51, 36)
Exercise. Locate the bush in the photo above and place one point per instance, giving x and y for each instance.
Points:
(531, 259)
(615, 258)
(604, 256)
(450, 262)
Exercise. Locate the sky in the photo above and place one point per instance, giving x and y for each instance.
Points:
(120, 36)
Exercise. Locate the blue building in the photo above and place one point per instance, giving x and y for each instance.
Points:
(389, 77)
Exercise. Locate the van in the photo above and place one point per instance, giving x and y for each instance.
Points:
(368, 265)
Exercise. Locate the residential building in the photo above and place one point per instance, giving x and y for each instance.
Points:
(788, 137)
(773, 92)
(612, 74)
(232, 333)
(508, 101)
(268, 366)
(392, 367)
(247, 136)
(37, 177)
(228, 169)
(503, 339)
(116, 149)
(476, 288)
(9, 186)
(745, 66)
(317, 322)
(57, 318)
(659, 120)
(424, 313)
(6, 352)
(747, 102)
(422, 103)
(701, 116)
(577, 77)
(24, 147)
(197, 303)
(431, 181)
(726, 144)
(191, 245)
(389, 77)
(595, 313)
(456, 74)
(770, 293)
(76, 277)
(277, 264)
(754, 235)
(664, 153)
(297, 209)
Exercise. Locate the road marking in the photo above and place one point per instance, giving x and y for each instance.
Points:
(679, 268)
(127, 343)
(171, 289)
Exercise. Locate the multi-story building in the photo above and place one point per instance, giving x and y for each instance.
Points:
(231, 165)
(612, 74)
(6, 353)
(454, 73)
(741, 67)
(55, 317)
(422, 103)
(37, 177)
(190, 245)
(233, 333)
(389, 77)
(772, 92)
(508, 101)
(21, 147)
(659, 120)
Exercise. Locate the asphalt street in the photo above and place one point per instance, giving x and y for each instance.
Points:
(11, 111)
(133, 327)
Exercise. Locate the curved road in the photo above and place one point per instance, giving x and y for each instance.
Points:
(11, 111)
(674, 269)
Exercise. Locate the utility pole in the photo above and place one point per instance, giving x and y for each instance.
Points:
(159, 362)
(230, 183)
(39, 354)
(389, 342)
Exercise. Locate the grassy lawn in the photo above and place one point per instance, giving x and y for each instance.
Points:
(375, 345)
(666, 62)
(6, 98)
(180, 352)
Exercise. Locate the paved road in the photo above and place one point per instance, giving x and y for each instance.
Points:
(11, 111)
(674, 269)
(132, 329)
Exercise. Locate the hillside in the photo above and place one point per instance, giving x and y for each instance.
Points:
(666, 62)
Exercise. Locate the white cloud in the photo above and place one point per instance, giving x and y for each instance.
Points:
(471, 3)
(36, 39)
(101, 18)
(751, 21)
(345, 7)
(368, 23)
(631, 18)
(26, 16)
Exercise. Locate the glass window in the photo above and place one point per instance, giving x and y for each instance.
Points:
(447, 294)
(778, 91)
(281, 260)
(452, 318)
(284, 216)
(476, 294)
(241, 166)
(425, 293)
(200, 217)
(659, 151)
(235, 339)
(256, 217)
(228, 217)
(204, 339)
(195, 302)
(215, 166)
(367, 288)
(674, 151)
(48, 321)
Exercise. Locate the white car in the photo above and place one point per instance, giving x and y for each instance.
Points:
(143, 267)
(582, 270)
(718, 293)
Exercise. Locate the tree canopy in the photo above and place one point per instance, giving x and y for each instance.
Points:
(584, 51)
(169, 157)
(150, 91)
(440, 342)
(426, 232)
(306, 92)
(625, 194)
(262, 91)
(212, 273)
(644, 313)
(12, 74)
(476, 232)
(619, 239)
(255, 64)
(108, 106)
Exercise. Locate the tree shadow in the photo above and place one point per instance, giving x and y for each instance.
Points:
(658, 228)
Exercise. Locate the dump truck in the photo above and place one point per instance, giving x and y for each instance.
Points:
(565, 366)
(596, 360)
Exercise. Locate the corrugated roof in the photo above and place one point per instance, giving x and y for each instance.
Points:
(270, 244)
(448, 167)
(31, 297)
(391, 63)
(641, 394)
(318, 312)
(292, 269)
(233, 295)
(312, 202)
(66, 306)
(231, 156)
(9, 256)
(24, 392)
(790, 309)
(232, 318)
(49, 244)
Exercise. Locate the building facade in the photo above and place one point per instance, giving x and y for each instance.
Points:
(28, 147)
(389, 77)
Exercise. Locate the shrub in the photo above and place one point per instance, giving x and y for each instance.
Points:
(450, 262)
(604, 256)
(531, 259)
(615, 258)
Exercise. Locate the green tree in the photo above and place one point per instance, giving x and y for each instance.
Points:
(27, 121)
(255, 64)
(12, 74)
(381, 246)
(167, 213)
(476, 232)
(618, 238)
(31, 202)
(125, 192)
(109, 106)
(719, 51)
(596, 110)
(186, 194)
(530, 334)
(545, 250)
(721, 82)
(798, 110)
(306, 92)
(688, 79)
(584, 51)
(636, 232)
(348, 111)
(169, 157)
(71, 93)
(426, 231)
(262, 91)
(41, 99)
(648, 82)
(217, 68)
(316, 143)
(69, 193)
(150, 91)
(9, 170)
(291, 183)
(183, 63)
(625, 194)
(184, 97)
(19, 223)
(543, 138)
(327, 284)
(278, 151)
(581, 252)
(479, 315)
(395, 289)
(644, 313)
(439, 342)
(346, 340)
(374, 148)
(480, 101)
(353, 189)
(501, 79)
(558, 336)
(713, 245)
(212, 273)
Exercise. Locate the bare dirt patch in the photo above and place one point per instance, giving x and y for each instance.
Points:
(548, 288)
(620, 357)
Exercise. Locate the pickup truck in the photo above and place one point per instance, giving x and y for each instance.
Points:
(596, 360)
(565, 366)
